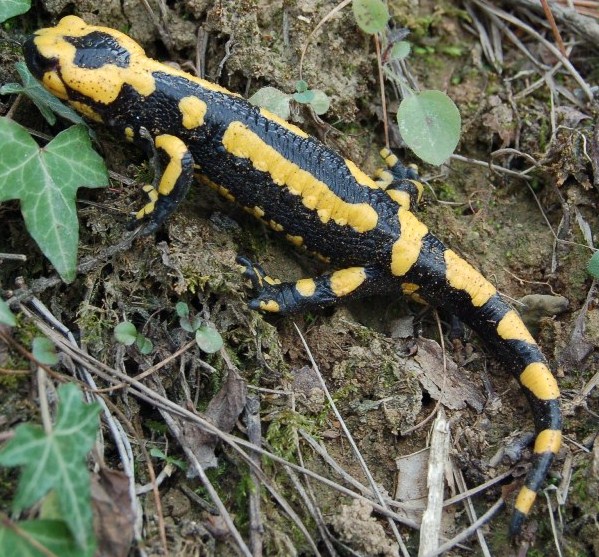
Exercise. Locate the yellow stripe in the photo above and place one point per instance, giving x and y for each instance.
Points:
(548, 440)
(462, 276)
(360, 176)
(315, 194)
(176, 150)
(539, 380)
(406, 250)
(526, 497)
(347, 280)
(511, 328)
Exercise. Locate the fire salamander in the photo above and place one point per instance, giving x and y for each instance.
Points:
(314, 197)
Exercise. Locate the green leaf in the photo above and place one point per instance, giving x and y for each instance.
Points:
(54, 535)
(209, 339)
(400, 50)
(305, 97)
(182, 309)
(429, 123)
(44, 351)
(144, 345)
(593, 266)
(274, 100)
(46, 183)
(301, 86)
(11, 8)
(371, 15)
(46, 102)
(125, 333)
(57, 461)
(321, 102)
(6, 316)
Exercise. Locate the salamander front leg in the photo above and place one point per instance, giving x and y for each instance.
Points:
(399, 181)
(309, 294)
(174, 171)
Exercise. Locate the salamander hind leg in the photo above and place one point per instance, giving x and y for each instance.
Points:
(308, 294)
(174, 171)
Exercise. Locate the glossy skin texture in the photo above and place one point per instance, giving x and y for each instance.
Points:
(300, 188)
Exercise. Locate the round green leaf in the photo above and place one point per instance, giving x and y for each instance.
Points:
(305, 97)
(429, 123)
(593, 266)
(301, 86)
(125, 333)
(371, 15)
(144, 345)
(209, 339)
(182, 309)
(44, 351)
(400, 50)
(272, 99)
(321, 102)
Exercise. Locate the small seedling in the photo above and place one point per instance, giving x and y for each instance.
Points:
(126, 333)
(207, 337)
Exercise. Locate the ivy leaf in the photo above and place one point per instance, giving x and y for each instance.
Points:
(11, 8)
(56, 461)
(593, 266)
(6, 316)
(46, 102)
(44, 351)
(53, 535)
(46, 182)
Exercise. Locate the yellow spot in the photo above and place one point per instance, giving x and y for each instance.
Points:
(406, 250)
(275, 226)
(402, 198)
(271, 306)
(258, 212)
(193, 111)
(548, 440)
(295, 240)
(86, 110)
(345, 281)
(511, 328)
(176, 150)
(268, 279)
(526, 497)
(305, 287)
(316, 195)
(360, 176)
(462, 276)
(539, 381)
(129, 133)
(283, 123)
(408, 288)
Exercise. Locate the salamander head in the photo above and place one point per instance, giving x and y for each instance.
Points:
(80, 62)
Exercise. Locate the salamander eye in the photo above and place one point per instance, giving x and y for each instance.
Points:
(38, 65)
